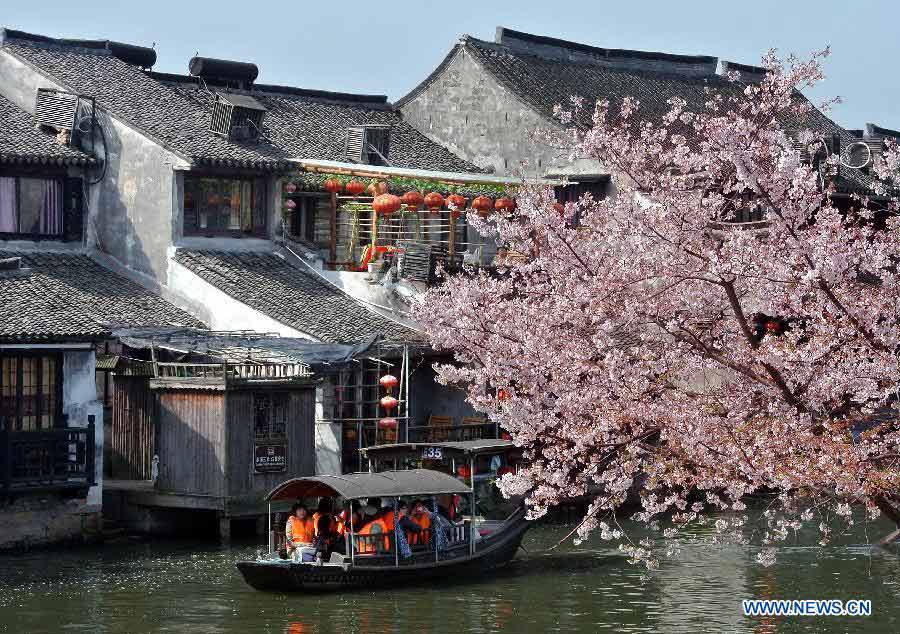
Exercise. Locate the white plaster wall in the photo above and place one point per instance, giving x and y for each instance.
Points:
(79, 402)
(328, 433)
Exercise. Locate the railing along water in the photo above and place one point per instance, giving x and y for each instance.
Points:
(51, 458)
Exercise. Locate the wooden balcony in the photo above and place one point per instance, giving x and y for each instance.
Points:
(47, 459)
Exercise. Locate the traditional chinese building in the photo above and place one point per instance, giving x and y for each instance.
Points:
(487, 99)
(57, 303)
(210, 189)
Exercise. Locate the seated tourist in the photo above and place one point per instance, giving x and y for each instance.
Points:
(324, 529)
(298, 530)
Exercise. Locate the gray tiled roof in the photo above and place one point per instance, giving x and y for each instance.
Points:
(22, 143)
(541, 82)
(274, 287)
(70, 296)
(175, 111)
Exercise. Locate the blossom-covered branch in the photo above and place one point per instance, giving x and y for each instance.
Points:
(655, 342)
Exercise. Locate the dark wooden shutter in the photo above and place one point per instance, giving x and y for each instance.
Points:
(73, 201)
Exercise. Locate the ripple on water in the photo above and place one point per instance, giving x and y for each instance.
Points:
(180, 586)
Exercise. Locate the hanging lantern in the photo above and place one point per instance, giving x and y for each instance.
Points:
(560, 209)
(455, 200)
(355, 188)
(773, 326)
(413, 199)
(434, 201)
(483, 205)
(505, 204)
(334, 186)
(388, 423)
(388, 382)
(289, 187)
(381, 187)
(290, 205)
(213, 200)
(389, 402)
(502, 395)
(386, 204)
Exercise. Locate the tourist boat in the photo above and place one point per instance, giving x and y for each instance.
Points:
(373, 561)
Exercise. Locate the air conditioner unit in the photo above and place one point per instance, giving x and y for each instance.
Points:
(237, 117)
(55, 108)
(368, 144)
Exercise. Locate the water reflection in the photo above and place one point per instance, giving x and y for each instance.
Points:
(138, 586)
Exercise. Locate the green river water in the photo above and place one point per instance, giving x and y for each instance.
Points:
(175, 586)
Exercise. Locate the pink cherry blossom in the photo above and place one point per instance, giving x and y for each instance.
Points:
(649, 343)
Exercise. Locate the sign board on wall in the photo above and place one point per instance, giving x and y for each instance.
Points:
(270, 458)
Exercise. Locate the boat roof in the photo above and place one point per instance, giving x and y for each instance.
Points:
(359, 485)
(464, 447)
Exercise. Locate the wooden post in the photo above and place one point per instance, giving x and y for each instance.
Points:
(374, 232)
(451, 239)
(334, 210)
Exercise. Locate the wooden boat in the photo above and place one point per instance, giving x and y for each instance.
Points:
(374, 561)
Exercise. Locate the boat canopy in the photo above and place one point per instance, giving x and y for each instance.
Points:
(458, 448)
(386, 484)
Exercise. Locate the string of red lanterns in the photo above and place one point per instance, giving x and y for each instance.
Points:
(385, 203)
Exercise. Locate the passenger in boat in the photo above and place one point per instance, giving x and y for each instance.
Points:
(407, 523)
(422, 517)
(324, 529)
(298, 531)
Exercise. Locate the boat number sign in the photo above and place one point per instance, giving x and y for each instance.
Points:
(432, 453)
(270, 458)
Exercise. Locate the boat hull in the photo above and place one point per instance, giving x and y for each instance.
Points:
(285, 576)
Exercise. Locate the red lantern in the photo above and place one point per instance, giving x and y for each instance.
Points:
(388, 382)
(773, 326)
(290, 205)
(355, 188)
(455, 200)
(502, 395)
(334, 186)
(289, 187)
(389, 402)
(483, 205)
(413, 199)
(381, 187)
(434, 201)
(213, 200)
(387, 423)
(386, 204)
(505, 204)
(464, 472)
(560, 209)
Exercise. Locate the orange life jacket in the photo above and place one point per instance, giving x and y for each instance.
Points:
(423, 520)
(380, 525)
(298, 531)
(315, 523)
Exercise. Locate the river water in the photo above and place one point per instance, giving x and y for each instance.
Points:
(144, 585)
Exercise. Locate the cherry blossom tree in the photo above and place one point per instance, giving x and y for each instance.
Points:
(649, 345)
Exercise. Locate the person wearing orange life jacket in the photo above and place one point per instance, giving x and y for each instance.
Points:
(324, 530)
(422, 518)
(298, 530)
(383, 523)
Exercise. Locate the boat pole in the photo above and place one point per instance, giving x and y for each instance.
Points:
(352, 540)
(472, 526)
(271, 544)
(396, 528)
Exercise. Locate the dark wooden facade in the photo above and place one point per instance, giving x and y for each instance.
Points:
(206, 437)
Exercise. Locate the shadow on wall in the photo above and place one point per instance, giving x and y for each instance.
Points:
(429, 398)
(130, 210)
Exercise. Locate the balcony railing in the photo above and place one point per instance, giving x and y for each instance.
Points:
(448, 433)
(47, 459)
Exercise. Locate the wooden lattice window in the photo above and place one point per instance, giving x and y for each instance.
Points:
(30, 387)
(270, 411)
